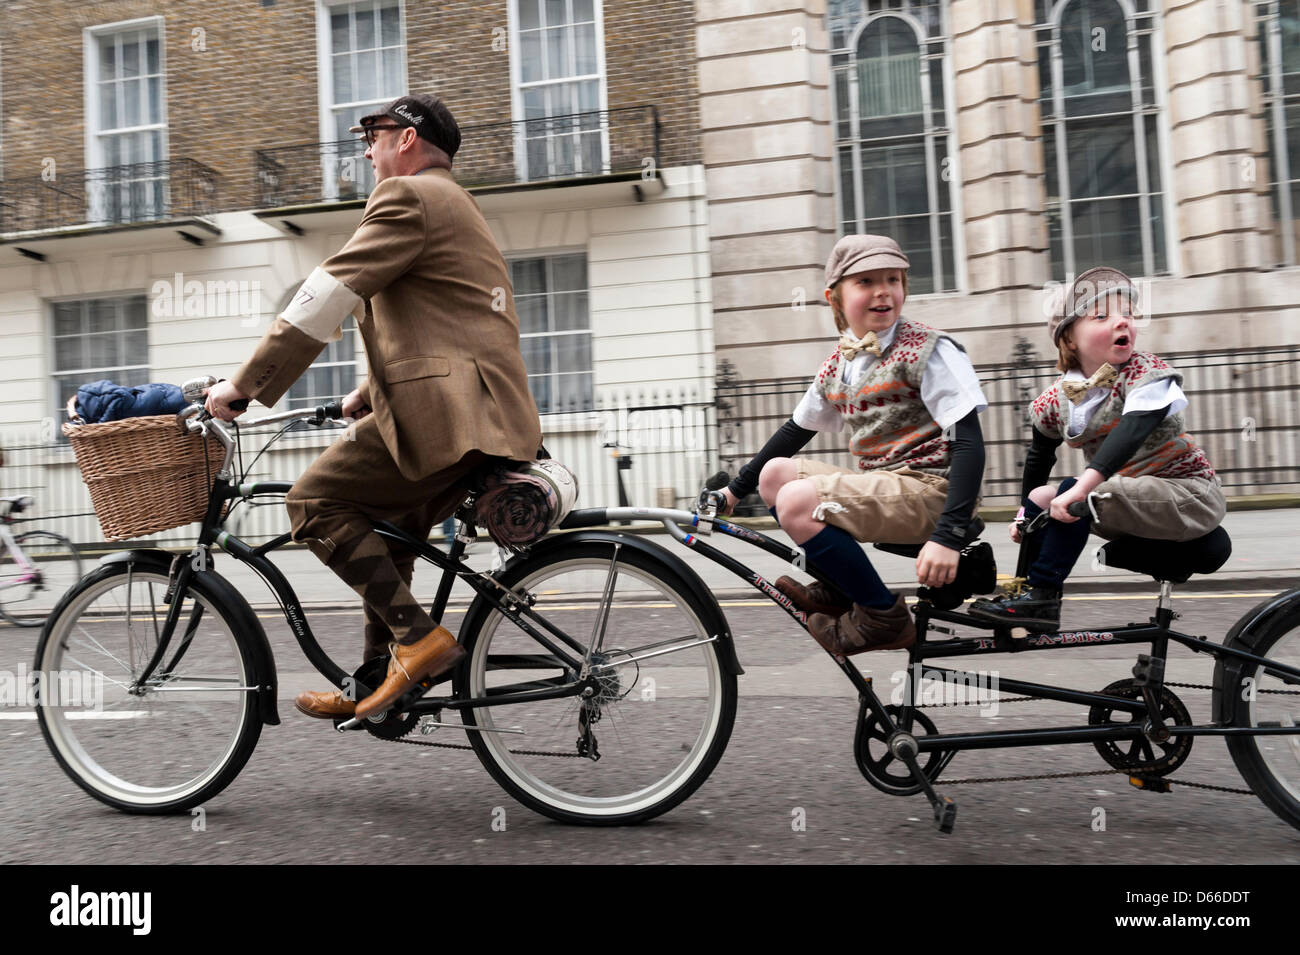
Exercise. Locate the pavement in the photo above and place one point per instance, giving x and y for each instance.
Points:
(1265, 558)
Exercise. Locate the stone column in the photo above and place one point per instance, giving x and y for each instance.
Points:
(1000, 138)
(1218, 137)
(766, 138)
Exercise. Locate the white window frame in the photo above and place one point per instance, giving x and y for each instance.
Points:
(952, 147)
(1134, 24)
(56, 372)
(325, 85)
(1269, 22)
(90, 37)
(517, 85)
(560, 253)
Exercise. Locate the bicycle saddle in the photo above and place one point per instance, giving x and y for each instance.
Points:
(1174, 561)
(973, 531)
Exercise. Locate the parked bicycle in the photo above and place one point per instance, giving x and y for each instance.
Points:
(600, 683)
(36, 566)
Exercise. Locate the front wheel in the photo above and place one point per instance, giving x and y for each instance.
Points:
(162, 745)
(662, 710)
(32, 584)
(1262, 697)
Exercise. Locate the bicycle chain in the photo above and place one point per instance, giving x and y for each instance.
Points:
(946, 782)
(513, 752)
(1096, 772)
(1023, 699)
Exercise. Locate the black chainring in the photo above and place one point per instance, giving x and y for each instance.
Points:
(1142, 756)
(391, 725)
(881, 768)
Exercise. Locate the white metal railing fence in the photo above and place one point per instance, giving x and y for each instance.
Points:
(651, 448)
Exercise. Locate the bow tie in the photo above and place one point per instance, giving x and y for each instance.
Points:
(851, 347)
(1076, 390)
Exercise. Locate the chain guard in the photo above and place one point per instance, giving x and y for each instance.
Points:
(1143, 756)
(881, 768)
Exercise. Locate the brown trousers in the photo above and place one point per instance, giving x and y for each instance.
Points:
(356, 482)
(899, 506)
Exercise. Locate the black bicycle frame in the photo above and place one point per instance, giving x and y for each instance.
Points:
(505, 601)
(1156, 633)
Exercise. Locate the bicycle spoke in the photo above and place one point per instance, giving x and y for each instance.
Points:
(104, 650)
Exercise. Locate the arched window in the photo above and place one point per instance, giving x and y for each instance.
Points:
(1101, 136)
(892, 131)
(1279, 38)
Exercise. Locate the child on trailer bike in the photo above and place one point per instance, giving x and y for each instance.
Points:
(911, 401)
(1124, 409)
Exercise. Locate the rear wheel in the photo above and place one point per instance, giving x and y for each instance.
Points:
(164, 745)
(1264, 697)
(30, 588)
(658, 716)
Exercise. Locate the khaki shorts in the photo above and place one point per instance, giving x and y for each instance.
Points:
(882, 507)
(1171, 509)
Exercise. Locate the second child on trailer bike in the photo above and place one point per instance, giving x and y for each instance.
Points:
(1124, 409)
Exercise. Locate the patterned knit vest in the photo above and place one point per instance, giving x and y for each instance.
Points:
(1168, 451)
(890, 425)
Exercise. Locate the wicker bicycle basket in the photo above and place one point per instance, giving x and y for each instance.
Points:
(143, 474)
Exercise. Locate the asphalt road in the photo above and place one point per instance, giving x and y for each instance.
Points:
(787, 789)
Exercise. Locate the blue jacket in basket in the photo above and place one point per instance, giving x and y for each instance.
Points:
(101, 401)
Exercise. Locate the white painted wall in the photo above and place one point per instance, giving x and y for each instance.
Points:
(651, 313)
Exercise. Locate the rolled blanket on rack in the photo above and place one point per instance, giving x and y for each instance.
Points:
(517, 507)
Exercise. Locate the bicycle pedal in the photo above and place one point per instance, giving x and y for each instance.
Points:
(945, 815)
(1148, 669)
(1156, 785)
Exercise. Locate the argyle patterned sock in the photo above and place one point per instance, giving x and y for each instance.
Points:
(365, 564)
(377, 635)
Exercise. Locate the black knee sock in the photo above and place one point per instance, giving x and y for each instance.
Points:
(842, 559)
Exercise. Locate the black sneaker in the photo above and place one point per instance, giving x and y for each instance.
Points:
(1037, 607)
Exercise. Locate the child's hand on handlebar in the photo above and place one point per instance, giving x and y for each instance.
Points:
(1061, 502)
(729, 504)
(936, 565)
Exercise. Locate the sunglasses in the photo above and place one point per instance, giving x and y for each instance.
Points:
(368, 134)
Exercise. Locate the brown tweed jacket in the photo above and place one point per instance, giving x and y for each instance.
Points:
(439, 326)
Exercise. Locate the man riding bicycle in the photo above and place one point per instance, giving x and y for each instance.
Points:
(447, 385)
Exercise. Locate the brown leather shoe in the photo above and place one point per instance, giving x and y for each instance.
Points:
(407, 666)
(329, 705)
(865, 628)
(813, 598)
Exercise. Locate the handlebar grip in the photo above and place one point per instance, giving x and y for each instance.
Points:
(333, 410)
(718, 481)
(240, 404)
(1078, 509)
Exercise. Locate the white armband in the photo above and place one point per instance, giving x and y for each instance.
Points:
(320, 306)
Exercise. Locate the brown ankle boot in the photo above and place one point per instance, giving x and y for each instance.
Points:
(813, 598)
(865, 628)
